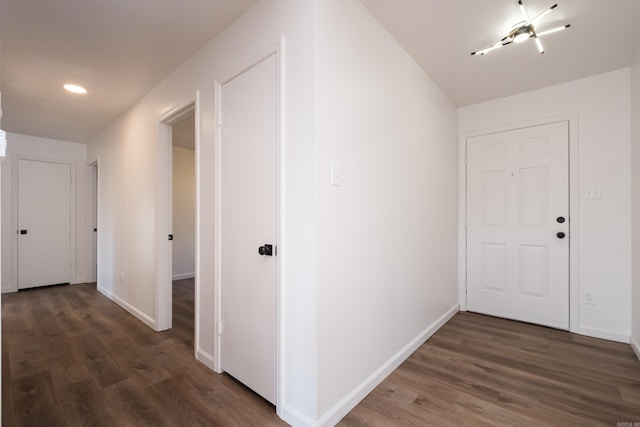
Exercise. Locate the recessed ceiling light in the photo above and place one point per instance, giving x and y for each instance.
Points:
(75, 88)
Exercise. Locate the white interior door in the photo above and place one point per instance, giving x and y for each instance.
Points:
(517, 204)
(44, 223)
(248, 222)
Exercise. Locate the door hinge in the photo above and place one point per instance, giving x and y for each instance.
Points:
(220, 331)
(219, 119)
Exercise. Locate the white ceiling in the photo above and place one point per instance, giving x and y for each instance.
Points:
(441, 34)
(119, 49)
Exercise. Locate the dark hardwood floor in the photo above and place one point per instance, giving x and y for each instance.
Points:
(71, 357)
(478, 370)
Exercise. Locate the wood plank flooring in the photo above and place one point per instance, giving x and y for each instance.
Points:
(71, 357)
(478, 370)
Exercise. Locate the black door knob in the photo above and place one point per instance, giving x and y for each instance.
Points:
(266, 250)
(560, 235)
(23, 231)
(560, 219)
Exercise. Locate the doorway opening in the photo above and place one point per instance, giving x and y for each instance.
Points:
(180, 124)
(183, 206)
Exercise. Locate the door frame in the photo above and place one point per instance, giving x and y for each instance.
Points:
(14, 214)
(164, 215)
(574, 204)
(93, 191)
(276, 49)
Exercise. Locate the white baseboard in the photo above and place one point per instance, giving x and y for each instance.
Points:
(150, 322)
(183, 276)
(205, 358)
(603, 334)
(294, 418)
(342, 408)
(635, 345)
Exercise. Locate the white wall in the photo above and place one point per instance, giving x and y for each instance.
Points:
(128, 152)
(602, 103)
(184, 213)
(42, 148)
(635, 192)
(387, 238)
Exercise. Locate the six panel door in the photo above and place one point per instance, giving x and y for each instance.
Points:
(518, 224)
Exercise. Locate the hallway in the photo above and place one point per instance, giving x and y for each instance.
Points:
(72, 357)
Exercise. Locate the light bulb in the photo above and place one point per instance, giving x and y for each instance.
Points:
(519, 38)
(75, 88)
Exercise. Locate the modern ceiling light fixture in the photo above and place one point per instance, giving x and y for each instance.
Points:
(523, 31)
(75, 89)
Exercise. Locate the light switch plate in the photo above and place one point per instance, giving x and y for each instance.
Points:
(592, 193)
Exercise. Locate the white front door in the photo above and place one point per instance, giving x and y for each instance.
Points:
(518, 224)
(44, 223)
(248, 223)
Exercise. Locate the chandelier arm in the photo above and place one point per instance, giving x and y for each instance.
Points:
(524, 11)
(540, 15)
(554, 30)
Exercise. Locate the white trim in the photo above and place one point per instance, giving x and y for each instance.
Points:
(635, 345)
(91, 192)
(217, 230)
(574, 223)
(293, 417)
(281, 366)
(462, 221)
(205, 358)
(164, 211)
(144, 318)
(163, 258)
(197, 306)
(276, 49)
(602, 334)
(73, 189)
(342, 408)
(98, 163)
(574, 198)
(183, 276)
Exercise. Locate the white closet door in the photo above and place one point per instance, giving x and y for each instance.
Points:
(248, 222)
(44, 223)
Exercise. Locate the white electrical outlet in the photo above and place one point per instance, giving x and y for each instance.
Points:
(121, 278)
(590, 297)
